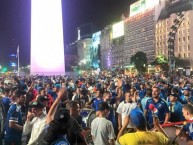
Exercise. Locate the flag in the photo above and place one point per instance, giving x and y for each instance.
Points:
(17, 51)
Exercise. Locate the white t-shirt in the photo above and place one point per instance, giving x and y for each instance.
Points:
(36, 127)
(102, 131)
(124, 109)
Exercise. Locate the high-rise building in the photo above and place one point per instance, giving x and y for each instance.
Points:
(106, 48)
(84, 46)
(117, 52)
(71, 56)
(183, 45)
(139, 29)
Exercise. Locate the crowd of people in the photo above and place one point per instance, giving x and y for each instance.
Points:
(128, 110)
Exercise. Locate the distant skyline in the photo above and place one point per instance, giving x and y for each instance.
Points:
(15, 22)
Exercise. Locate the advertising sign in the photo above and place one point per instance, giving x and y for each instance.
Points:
(141, 6)
(95, 49)
(118, 29)
(137, 7)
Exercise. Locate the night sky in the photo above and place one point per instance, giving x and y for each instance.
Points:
(15, 22)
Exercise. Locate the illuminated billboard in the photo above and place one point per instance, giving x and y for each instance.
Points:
(118, 29)
(95, 50)
(141, 6)
(47, 46)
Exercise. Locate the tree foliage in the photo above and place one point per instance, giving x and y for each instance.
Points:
(140, 61)
(162, 61)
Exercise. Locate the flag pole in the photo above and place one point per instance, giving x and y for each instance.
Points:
(18, 60)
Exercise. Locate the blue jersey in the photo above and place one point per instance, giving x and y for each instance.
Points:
(14, 114)
(175, 112)
(6, 103)
(144, 101)
(54, 95)
(180, 91)
(142, 93)
(185, 100)
(164, 94)
(95, 103)
(62, 140)
(189, 129)
(160, 110)
(137, 86)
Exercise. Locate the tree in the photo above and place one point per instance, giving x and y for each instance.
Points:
(140, 61)
(162, 61)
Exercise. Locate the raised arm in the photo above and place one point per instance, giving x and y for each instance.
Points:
(61, 94)
(158, 126)
(122, 130)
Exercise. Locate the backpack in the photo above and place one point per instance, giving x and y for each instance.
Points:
(60, 141)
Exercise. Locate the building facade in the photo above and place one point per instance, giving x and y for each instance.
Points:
(139, 32)
(183, 45)
(84, 46)
(106, 48)
(71, 56)
(117, 53)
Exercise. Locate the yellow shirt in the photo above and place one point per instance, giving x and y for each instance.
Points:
(144, 138)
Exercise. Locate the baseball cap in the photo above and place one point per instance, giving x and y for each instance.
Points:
(174, 95)
(42, 98)
(57, 86)
(137, 117)
(62, 115)
(186, 88)
(36, 104)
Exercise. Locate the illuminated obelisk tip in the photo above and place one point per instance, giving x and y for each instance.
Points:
(47, 46)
